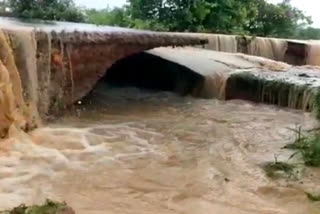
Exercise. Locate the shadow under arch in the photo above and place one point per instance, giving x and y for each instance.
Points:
(148, 71)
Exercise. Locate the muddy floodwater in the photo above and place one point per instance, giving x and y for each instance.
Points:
(125, 150)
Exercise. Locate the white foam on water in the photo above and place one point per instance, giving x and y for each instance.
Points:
(157, 153)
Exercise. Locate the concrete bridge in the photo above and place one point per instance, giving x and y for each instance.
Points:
(294, 52)
(46, 66)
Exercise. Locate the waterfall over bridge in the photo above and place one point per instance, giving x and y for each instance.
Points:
(46, 66)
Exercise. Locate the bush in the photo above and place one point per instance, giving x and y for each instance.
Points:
(50, 207)
(60, 10)
(308, 146)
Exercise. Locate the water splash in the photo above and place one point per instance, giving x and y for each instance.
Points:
(314, 54)
(286, 89)
(294, 52)
(124, 150)
(13, 110)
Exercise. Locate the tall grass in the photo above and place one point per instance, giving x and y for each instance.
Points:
(49, 207)
(308, 145)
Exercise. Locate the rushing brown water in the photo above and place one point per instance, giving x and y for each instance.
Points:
(131, 151)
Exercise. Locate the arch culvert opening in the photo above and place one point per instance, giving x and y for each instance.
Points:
(148, 71)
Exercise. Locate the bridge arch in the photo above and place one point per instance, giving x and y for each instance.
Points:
(50, 65)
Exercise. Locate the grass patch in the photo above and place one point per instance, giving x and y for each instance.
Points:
(312, 197)
(50, 207)
(317, 105)
(308, 146)
(278, 169)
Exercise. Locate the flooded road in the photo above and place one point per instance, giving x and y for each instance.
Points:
(133, 151)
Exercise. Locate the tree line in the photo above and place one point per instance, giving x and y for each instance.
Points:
(250, 17)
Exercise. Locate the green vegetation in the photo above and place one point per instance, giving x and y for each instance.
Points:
(308, 33)
(49, 207)
(281, 20)
(277, 169)
(61, 10)
(243, 17)
(317, 104)
(312, 197)
(249, 17)
(308, 146)
(116, 16)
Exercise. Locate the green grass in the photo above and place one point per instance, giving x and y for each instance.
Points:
(279, 169)
(312, 197)
(49, 207)
(317, 105)
(308, 146)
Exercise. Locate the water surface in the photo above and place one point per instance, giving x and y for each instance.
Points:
(133, 151)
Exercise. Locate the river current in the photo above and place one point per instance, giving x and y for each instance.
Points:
(126, 150)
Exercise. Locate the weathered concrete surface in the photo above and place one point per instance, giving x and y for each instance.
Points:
(295, 52)
(53, 64)
(295, 88)
(238, 76)
(81, 53)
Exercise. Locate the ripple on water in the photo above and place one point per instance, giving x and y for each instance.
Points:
(156, 153)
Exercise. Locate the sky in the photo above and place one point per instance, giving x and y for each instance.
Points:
(98, 4)
(310, 7)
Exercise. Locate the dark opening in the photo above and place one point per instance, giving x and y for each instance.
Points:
(296, 53)
(144, 70)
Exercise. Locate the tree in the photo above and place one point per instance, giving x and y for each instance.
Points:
(188, 15)
(230, 16)
(281, 20)
(114, 17)
(61, 10)
(148, 14)
(146, 9)
(251, 17)
(194, 15)
(308, 33)
(3, 6)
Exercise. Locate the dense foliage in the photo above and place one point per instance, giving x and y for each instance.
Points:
(280, 20)
(107, 16)
(308, 33)
(253, 17)
(62, 10)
